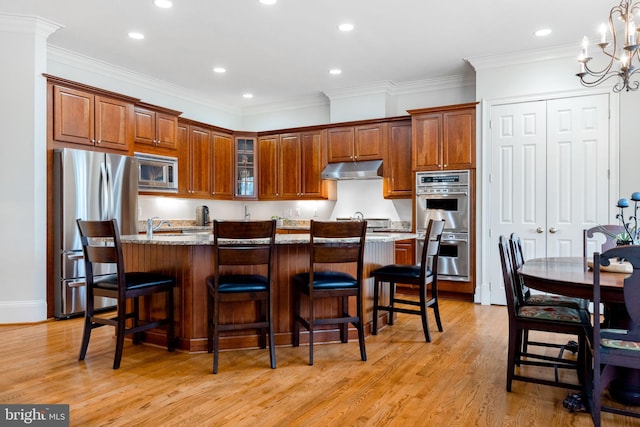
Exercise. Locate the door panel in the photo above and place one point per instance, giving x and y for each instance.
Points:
(518, 181)
(577, 170)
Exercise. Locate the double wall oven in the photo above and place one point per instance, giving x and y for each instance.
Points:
(445, 195)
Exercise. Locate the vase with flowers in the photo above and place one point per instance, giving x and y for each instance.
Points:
(631, 234)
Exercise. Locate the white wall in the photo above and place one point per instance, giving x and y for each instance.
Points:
(23, 179)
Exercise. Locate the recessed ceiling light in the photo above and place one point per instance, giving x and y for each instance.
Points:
(219, 70)
(165, 4)
(346, 27)
(136, 36)
(268, 2)
(247, 95)
(335, 71)
(543, 32)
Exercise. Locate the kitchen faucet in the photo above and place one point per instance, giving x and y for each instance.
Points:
(151, 228)
(358, 216)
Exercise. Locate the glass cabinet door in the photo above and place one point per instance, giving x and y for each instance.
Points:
(245, 167)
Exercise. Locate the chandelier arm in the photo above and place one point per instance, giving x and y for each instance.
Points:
(628, 39)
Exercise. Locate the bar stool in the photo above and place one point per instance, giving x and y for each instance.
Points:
(249, 244)
(101, 245)
(331, 243)
(421, 275)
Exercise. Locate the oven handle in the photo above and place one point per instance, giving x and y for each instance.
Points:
(452, 193)
(453, 241)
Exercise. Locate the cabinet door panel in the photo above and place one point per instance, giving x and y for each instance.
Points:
(73, 116)
(369, 142)
(268, 167)
(222, 186)
(200, 140)
(340, 144)
(166, 129)
(397, 170)
(289, 166)
(459, 132)
(427, 137)
(112, 124)
(184, 160)
(311, 164)
(144, 125)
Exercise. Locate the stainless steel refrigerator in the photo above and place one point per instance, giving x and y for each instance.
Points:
(91, 186)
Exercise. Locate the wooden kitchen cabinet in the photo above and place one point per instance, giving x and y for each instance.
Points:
(155, 129)
(194, 161)
(268, 167)
(356, 143)
(245, 167)
(405, 252)
(92, 118)
(398, 176)
(289, 166)
(222, 165)
(444, 137)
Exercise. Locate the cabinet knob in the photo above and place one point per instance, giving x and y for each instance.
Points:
(539, 230)
(553, 230)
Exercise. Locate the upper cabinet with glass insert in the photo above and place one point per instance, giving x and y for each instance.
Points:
(245, 158)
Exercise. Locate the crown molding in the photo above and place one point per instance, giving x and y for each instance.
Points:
(28, 25)
(292, 104)
(524, 57)
(105, 69)
(439, 83)
(390, 88)
(385, 87)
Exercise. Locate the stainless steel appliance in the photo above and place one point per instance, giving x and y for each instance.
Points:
(445, 195)
(92, 186)
(157, 173)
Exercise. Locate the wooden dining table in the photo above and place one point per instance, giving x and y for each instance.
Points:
(570, 276)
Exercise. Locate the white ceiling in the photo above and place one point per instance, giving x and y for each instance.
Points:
(282, 53)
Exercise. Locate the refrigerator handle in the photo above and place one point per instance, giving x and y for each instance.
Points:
(104, 193)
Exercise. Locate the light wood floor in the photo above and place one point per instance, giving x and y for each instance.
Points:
(456, 380)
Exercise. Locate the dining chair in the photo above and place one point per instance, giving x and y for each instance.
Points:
(424, 275)
(527, 298)
(614, 349)
(606, 231)
(243, 265)
(554, 319)
(336, 263)
(101, 245)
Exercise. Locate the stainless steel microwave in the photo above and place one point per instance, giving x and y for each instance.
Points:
(157, 173)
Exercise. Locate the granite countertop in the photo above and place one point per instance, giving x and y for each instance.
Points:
(188, 226)
(206, 238)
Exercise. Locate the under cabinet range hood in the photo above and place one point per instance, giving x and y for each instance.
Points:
(369, 169)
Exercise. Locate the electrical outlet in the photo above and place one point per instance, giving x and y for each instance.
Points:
(297, 211)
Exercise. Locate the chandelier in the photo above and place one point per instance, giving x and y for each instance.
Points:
(619, 53)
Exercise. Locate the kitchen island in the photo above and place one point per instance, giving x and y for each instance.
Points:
(188, 257)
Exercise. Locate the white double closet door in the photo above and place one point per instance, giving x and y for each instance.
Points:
(549, 176)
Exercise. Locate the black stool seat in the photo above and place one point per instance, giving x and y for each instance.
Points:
(326, 280)
(240, 283)
(400, 270)
(135, 280)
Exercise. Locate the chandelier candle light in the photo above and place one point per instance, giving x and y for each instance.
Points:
(620, 52)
